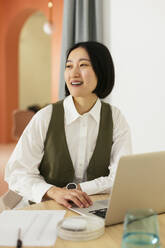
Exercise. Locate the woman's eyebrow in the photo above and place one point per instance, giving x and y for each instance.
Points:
(84, 59)
(69, 60)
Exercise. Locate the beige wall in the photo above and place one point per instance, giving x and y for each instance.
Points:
(34, 63)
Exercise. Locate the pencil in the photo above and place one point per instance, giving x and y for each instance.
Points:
(19, 241)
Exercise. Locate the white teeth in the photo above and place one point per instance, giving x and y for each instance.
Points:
(76, 83)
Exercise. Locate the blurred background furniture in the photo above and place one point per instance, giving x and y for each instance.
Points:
(35, 108)
(9, 200)
(20, 120)
(5, 152)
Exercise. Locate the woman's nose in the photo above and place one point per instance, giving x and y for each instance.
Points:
(75, 71)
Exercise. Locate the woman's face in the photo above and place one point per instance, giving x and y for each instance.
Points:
(79, 75)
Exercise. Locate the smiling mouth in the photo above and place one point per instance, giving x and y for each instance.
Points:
(76, 83)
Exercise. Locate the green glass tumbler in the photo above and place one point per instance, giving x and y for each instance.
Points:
(141, 229)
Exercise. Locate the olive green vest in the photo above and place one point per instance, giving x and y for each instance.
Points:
(56, 166)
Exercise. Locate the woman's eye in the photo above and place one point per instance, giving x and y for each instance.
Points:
(83, 65)
(68, 66)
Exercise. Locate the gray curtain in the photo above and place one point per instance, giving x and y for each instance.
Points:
(82, 21)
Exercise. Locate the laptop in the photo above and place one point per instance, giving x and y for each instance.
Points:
(139, 183)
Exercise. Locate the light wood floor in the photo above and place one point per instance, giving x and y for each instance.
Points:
(5, 152)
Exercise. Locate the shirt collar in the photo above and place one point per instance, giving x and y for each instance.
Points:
(95, 111)
(71, 113)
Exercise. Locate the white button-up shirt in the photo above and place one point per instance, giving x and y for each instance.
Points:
(22, 173)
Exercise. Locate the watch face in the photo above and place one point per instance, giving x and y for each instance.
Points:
(71, 186)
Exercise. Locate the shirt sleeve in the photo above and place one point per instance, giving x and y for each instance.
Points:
(22, 173)
(121, 146)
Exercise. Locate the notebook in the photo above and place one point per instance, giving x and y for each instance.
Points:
(139, 183)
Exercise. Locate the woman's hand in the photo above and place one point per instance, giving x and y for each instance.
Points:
(64, 196)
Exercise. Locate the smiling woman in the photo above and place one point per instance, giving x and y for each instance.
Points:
(77, 141)
(80, 78)
(99, 58)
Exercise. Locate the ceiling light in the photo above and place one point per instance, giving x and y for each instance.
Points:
(49, 26)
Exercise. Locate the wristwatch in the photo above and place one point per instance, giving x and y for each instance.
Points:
(71, 186)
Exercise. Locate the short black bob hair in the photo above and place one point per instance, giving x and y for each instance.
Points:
(102, 64)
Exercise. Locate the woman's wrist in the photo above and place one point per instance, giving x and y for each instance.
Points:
(48, 194)
(79, 187)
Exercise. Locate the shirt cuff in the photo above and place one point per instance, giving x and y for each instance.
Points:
(90, 187)
(39, 190)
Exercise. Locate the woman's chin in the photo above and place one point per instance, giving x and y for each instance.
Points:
(76, 94)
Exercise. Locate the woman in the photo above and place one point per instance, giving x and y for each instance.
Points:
(76, 143)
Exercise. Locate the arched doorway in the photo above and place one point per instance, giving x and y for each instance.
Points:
(11, 69)
(13, 17)
(34, 63)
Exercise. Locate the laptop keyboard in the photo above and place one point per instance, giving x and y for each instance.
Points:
(99, 212)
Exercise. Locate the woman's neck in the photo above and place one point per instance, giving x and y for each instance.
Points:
(83, 105)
